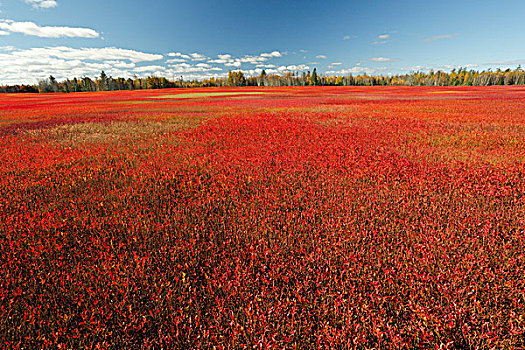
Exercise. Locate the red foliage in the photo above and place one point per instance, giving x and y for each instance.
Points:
(307, 217)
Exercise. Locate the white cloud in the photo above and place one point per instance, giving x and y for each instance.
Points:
(346, 37)
(30, 70)
(30, 65)
(179, 54)
(323, 57)
(334, 65)
(293, 68)
(30, 28)
(145, 69)
(198, 57)
(221, 61)
(3, 32)
(181, 66)
(470, 65)
(181, 57)
(236, 64)
(437, 37)
(225, 58)
(42, 4)
(188, 68)
(175, 60)
(272, 54)
(230, 61)
(251, 59)
(380, 59)
(416, 68)
(357, 70)
(382, 39)
(442, 67)
(506, 63)
(303, 51)
(95, 54)
(252, 72)
(121, 64)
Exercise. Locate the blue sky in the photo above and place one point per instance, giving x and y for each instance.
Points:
(198, 38)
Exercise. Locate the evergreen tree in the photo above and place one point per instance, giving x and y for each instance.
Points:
(103, 82)
(315, 77)
(262, 78)
(53, 84)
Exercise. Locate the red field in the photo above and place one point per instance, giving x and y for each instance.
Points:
(372, 217)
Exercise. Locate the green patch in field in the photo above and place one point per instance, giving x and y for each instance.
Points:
(209, 94)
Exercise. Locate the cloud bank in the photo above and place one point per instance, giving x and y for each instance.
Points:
(19, 66)
(33, 29)
(437, 37)
(380, 59)
(42, 4)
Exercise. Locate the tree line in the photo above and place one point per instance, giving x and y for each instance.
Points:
(459, 77)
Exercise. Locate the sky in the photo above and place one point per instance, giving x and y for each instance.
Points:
(198, 39)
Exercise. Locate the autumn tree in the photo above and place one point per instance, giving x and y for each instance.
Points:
(236, 78)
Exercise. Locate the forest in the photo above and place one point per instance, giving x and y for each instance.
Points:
(456, 77)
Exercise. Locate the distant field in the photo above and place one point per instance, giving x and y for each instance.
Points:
(447, 92)
(210, 94)
(308, 217)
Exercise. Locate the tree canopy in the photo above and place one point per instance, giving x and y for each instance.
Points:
(104, 82)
